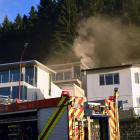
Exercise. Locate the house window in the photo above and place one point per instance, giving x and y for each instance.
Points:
(116, 78)
(59, 76)
(102, 81)
(77, 72)
(67, 75)
(4, 76)
(5, 91)
(109, 79)
(15, 92)
(24, 93)
(31, 75)
(14, 75)
(53, 77)
(136, 75)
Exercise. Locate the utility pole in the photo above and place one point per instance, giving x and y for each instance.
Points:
(20, 69)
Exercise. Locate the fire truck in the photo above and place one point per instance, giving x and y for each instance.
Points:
(49, 119)
(102, 119)
(64, 118)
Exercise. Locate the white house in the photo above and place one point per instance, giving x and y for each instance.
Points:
(27, 80)
(99, 83)
(68, 77)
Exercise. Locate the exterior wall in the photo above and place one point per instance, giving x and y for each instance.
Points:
(97, 92)
(73, 89)
(60, 131)
(43, 82)
(135, 89)
(33, 93)
(79, 92)
(55, 91)
(46, 89)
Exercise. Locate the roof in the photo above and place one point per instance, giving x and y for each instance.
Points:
(113, 67)
(25, 63)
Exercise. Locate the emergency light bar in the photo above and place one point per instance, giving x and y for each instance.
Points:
(93, 104)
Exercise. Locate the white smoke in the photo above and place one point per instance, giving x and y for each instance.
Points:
(106, 42)
(82, 51)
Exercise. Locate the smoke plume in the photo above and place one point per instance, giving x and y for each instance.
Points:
(103, 42)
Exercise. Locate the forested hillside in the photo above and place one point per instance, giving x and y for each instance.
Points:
(51, 29)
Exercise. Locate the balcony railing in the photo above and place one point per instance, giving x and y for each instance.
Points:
(63, 76)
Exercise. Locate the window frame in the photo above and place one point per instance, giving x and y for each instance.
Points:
(107, 81)
(102, 83)
(118, 76)
(136, 78)
(114, 81)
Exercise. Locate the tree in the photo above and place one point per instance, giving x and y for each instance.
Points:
(6, 25)
(86, 8)
(47, 15)
(18, 23)
(46, 9)
(131, 11)
(66, 24)
(32, 17)
(65, 29)
(25, 22)
(109, 7)
(0, 28)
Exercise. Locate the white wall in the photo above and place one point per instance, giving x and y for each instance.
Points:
(43, 82)
(73, 89)
(78, 91)
(55, 91)
(97, 92)
(33, 93)
(135, 88)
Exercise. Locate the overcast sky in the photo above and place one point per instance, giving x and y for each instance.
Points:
(10, 8)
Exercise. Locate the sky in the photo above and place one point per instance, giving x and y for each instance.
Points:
(11, 8)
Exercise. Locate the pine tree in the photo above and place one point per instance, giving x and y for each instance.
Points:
(0, 28)
(86, 8)
(46, 21)
(18, 23)
(131, 11)
(65, 29)
(46, 9)
(6, 25)
(32, 17)
(25, 22)
(109, 7)
(66, 24)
